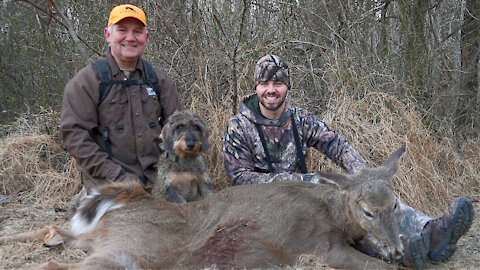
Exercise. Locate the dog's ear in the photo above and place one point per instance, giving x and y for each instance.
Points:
(204, 140)
(204, 132)
(167, 137)
(159, 142)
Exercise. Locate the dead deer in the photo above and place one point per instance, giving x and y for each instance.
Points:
(251, 226)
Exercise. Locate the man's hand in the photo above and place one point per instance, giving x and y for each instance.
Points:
(124, 176)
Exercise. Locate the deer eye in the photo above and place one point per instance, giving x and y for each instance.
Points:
(368, 214)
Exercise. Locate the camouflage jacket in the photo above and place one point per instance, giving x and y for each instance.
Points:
(244, 156)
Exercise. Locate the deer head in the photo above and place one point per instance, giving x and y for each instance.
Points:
(372, 203)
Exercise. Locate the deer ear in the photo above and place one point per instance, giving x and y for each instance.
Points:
(390, 166)
(339, 181)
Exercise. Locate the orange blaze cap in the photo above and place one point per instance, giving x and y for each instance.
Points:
(121, 12)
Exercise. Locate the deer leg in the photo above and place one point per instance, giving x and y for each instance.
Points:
(94, 262)
(53, 265)
(344, 256)
(56, 235)
(25, 236)
(51, 236)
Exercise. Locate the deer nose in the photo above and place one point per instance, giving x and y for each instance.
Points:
(394, 253)
(399, 256)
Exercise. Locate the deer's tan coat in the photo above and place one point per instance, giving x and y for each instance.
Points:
(259, 226)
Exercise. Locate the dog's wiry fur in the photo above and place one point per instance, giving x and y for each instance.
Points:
(182, 174)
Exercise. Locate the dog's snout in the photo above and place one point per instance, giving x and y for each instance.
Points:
(190, 142)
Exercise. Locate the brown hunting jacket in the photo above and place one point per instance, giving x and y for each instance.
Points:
(132, 115)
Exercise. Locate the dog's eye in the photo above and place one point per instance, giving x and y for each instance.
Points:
(196, 128)
(180, 127)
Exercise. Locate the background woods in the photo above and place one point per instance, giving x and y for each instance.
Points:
(424, 50)
(382, 73)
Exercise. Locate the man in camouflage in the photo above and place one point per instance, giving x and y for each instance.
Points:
(267, 114)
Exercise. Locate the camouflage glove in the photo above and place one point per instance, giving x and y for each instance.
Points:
(310, 177)
(283, 177)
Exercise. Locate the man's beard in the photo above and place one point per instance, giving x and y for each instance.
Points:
(272, 107)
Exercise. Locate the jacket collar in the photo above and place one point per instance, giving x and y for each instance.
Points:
(116, 69)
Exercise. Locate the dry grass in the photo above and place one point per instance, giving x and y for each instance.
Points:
(34, 162)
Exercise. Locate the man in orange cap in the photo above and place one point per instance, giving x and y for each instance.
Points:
(114, 108)
(127, 35)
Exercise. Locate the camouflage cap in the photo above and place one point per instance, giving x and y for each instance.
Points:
(271, 68)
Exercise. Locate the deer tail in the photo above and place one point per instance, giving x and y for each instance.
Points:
(103, 200)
